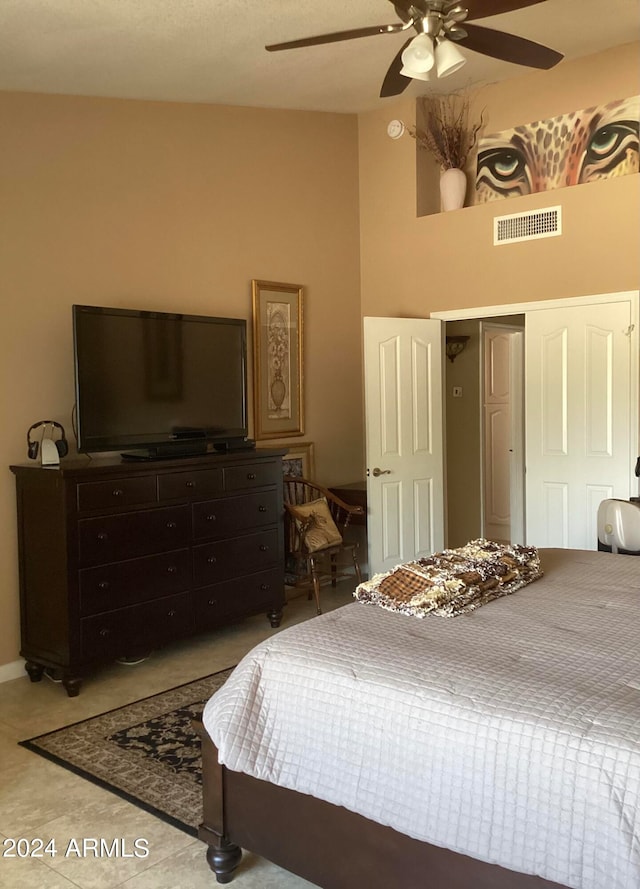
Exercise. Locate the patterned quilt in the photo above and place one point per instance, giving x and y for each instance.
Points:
(453, 581)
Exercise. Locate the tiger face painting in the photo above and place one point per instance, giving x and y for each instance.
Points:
(583, 146)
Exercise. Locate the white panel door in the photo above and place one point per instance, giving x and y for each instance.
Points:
(497, 434)
(579, 434)
(404, 439)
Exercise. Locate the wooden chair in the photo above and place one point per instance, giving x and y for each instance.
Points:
(311, 567)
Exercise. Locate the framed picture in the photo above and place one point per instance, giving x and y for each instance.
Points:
(299, 461)
(277, 360)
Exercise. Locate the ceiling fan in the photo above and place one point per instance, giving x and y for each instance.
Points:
(439, 27)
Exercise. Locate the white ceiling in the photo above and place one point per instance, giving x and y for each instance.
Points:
(213, 50)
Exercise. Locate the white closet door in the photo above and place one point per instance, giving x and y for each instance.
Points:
(497, 434)
(578, 419)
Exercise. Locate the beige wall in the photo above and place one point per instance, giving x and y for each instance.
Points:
(176, 208)
(171, 206)
(463, 429)
(413, 266)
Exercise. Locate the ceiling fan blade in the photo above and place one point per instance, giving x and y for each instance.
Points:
(480, 9)
(338, 35)
(509, 47)
(394, 82)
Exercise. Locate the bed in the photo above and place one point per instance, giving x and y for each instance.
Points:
(499, 749)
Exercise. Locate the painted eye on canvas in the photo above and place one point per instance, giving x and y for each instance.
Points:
(610, 146)
(503, 170)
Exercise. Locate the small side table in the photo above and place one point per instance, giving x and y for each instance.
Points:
(354, 493)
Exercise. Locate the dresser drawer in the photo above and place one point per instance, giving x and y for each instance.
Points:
(194, 484)
(137, 629)
(230, 515)
(137, 580)
(116, 493)
(252, 475)
(225, 559)
(120, 537)
(234, 598)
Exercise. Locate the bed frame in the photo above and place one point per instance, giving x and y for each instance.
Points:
(326, 844)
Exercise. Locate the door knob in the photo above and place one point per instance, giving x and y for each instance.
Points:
(377, 472)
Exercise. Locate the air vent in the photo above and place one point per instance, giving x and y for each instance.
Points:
(527, 226)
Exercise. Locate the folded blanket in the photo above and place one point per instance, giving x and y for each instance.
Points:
(453, 581)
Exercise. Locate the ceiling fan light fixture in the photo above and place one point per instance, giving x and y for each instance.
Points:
(456, 13)
(418, 57)
(416, 75)
(455, 31)
(448, 58)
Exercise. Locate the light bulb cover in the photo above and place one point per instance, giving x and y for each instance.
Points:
(416, 75)
(419, 56)
(448, 58)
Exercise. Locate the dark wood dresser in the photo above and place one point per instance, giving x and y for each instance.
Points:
(118, 558)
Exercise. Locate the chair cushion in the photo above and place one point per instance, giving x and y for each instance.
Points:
(315, 524)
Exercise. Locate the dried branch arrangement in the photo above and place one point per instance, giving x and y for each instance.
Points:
(447, 134)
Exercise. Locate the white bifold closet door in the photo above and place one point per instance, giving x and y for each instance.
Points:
(579, 441)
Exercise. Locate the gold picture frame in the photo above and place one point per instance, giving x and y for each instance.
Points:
(278, 395)
(299, 461)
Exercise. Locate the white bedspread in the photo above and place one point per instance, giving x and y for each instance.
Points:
(511, 734)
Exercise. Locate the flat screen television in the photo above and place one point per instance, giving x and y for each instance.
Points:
(158, 385)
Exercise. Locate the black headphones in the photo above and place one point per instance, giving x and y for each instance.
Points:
(61, 444)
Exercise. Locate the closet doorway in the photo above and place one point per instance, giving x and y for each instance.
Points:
(484, 403)
(580, 415)
(581, 372)
(502, 432)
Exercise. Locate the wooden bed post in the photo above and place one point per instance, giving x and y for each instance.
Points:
(223, 857)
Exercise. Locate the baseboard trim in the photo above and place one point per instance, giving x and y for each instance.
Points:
(14, 670)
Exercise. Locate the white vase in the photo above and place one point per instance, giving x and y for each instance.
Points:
(453, 189)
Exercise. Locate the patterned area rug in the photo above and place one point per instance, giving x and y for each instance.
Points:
(146, 752)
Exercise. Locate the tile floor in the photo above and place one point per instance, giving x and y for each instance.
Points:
(39, 799)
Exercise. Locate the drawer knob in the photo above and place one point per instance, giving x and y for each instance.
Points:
(171, 525)
(263, 547)
(171, 569)
(265, 586)
(251, 476)
(117, 492)
(102, 535)
(211, 560)
(212, 602)
(190, 484)
(262, 508)
(211, 518)
(103, 585)
(171, 613)
(104, 632)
